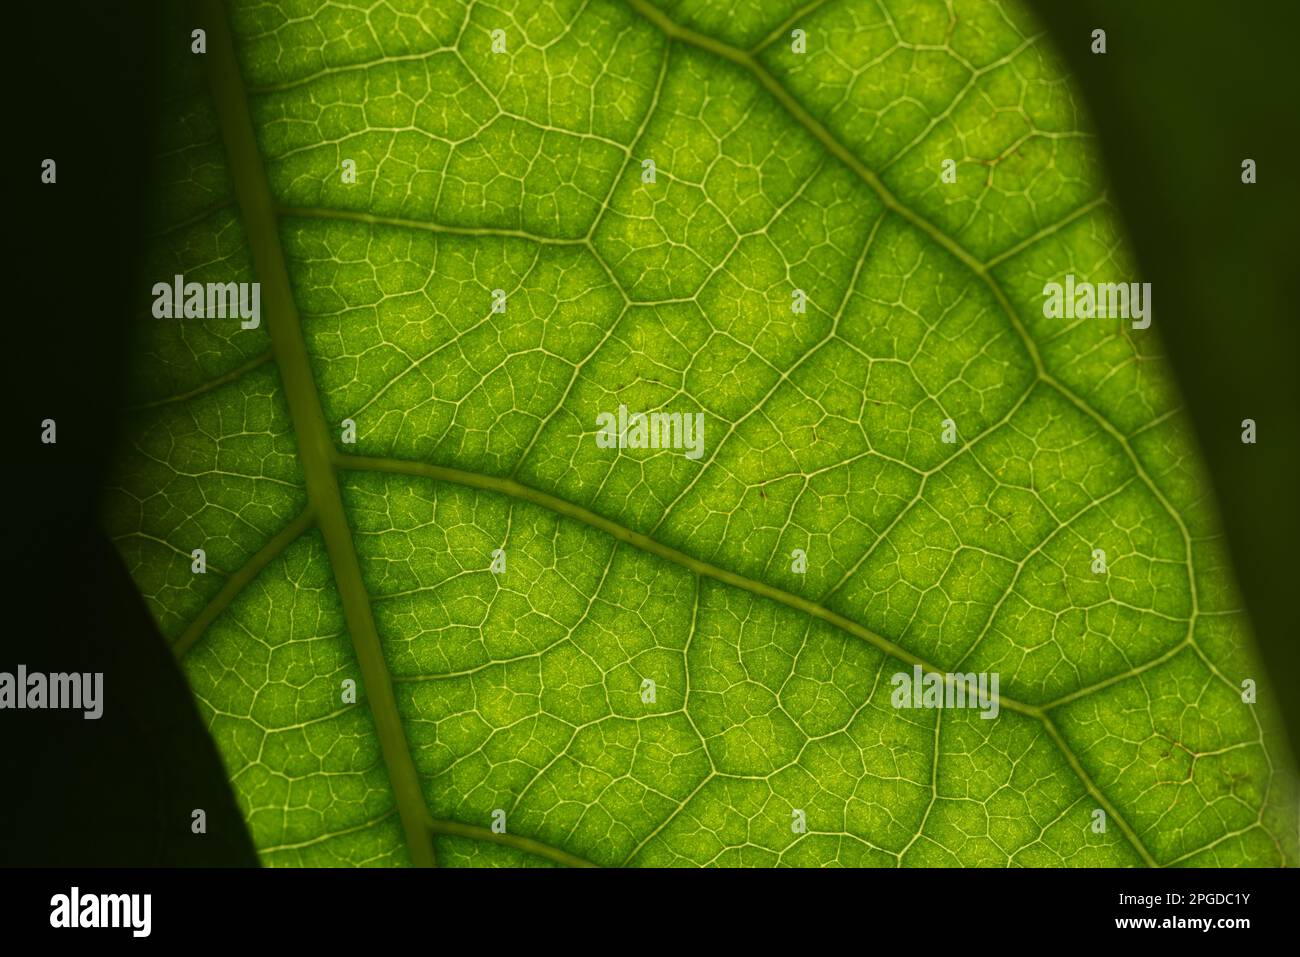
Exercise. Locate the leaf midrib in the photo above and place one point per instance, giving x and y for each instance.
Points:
(253, 193)
(321, 461)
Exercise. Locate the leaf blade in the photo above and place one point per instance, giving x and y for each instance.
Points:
(587, 340)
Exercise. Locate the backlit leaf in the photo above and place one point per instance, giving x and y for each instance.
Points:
(524, 692)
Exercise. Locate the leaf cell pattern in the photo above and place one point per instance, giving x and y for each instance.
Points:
(500, 146)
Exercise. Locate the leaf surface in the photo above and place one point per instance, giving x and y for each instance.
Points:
(522, 692)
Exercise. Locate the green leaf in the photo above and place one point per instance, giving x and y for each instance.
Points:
(522, 692)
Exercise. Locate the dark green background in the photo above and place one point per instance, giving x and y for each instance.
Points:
(1185, 92)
